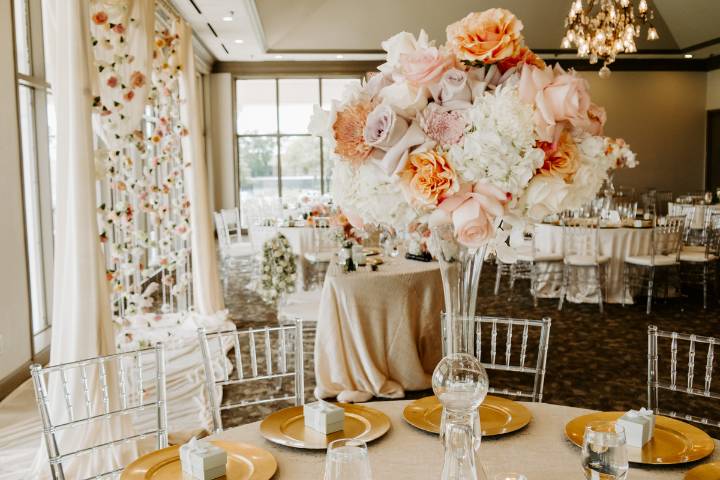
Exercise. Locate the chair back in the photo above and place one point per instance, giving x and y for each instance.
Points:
(126, 382)
(223, 233)
(322, 238)
(260, 355)
(667, 235)
(694, 349)
(711, 235)
(231, 218)
(662, 199)
(581, 237)
(505, 344)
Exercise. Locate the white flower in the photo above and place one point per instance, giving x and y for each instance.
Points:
(400, 44)
(405, 99)
(544, 196)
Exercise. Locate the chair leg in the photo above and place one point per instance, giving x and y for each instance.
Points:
(498, 277)
(563, 286)
(650, 290)
(705, 282)
(533, 283)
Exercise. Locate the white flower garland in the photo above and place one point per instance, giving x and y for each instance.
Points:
(277, 269)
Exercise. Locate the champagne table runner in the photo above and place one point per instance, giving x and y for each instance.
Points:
(540, 450)
(378, 332)
(617, 243)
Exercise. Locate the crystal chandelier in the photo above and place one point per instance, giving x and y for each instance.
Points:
(606, 28)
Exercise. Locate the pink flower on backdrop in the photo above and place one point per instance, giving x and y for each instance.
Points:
(424, 66)
(100, 18)
(137, 79)
(129, 95)
(558, 97)
(119, 28)
(473, 212)
(112, 81)
(487, 37)
(445, 127)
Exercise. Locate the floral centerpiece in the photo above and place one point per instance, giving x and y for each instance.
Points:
(475, 137)
(277, 268)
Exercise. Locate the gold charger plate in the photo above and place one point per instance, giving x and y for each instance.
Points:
(287, 427)
(244, 462)
(497, 415)
(709, 471)
(368, 251)
(673, 441)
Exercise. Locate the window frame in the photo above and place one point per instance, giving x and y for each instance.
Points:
(40, 180)
(278, 135)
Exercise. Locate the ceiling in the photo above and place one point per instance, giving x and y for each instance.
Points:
(280, 30)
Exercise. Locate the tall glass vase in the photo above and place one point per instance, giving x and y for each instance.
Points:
(460, 268)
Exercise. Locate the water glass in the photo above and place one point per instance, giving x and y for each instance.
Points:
(347, 459)
(604, 453)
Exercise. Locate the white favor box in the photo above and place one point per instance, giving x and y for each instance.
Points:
(639, 426)
(203, 460)
(324, 417)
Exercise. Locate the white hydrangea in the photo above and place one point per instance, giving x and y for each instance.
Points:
(499, 146)
(368, 192)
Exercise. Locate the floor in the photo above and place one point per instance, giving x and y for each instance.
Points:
(596, 361)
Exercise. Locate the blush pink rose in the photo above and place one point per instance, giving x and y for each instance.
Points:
(473, 211)
(424, 66)
(558, 97)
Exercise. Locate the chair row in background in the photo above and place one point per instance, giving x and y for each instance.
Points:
(581, 262)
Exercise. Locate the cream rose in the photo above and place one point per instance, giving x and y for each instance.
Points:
(384, 128)
(544, 196)
(453, 90)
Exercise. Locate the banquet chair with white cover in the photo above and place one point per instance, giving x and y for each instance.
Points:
(510, 348)
(699, 350)
(525, 266)
(262, 355)
(583, 264)
(699, 265)
(125, 385)
(664, 254)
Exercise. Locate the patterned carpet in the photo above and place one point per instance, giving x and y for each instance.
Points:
(596, 361)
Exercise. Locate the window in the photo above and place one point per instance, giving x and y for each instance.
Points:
(37, 131)
(276, 155)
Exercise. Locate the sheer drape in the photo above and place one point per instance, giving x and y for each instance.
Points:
(206, 282)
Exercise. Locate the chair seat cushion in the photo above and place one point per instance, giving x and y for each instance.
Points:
(647, 260)
(696, 257)
(586, 260)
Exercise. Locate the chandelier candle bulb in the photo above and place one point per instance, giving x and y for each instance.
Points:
(324, 417)
(639, 426)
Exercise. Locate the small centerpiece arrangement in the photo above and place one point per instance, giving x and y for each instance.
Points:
(474, 137)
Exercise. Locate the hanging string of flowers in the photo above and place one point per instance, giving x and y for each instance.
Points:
(144, 210)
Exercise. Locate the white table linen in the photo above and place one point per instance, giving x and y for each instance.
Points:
(617, 243)
(300, 238)
(378, 332)
(540, 450)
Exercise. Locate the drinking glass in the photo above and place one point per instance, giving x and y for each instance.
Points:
(604, 454)
(347, 459)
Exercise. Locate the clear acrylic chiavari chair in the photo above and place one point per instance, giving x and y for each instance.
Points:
(261, 356)
(685, 351)
(583, 264)
(512, 345)
(129, 383)
(665, 246)
(699, 266)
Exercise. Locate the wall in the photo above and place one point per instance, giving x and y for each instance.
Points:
(662, 116)
(14, 295)
(222, 136)
(713, 90)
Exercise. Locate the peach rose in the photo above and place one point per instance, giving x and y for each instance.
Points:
(429, 177)
(486, 37)
(100, 18)
(137, 79)
(524, 56)
(561, 158)
(473, 212)
(558, 97)
(425, 66)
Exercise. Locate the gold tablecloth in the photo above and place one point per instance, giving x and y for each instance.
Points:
(378, 333)
(540, 450)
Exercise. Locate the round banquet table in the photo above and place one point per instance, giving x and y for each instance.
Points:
(300, 238)
(378, 333)
(617, 243)
(540, 450)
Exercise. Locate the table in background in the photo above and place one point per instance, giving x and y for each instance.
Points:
(540, 450)
(300, 238)
(378, 333)
(617, 243)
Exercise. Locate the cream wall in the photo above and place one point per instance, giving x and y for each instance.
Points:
(662, 115)
(14, 298)
(222, 137)
(713, 90)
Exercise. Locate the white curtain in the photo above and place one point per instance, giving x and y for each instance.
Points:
(82, 321)
(206, 282)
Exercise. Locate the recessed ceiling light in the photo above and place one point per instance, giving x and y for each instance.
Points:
(278, 56)
(340, 56)
(688, 55)
(239, 40)
(228, 17)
